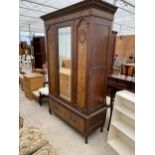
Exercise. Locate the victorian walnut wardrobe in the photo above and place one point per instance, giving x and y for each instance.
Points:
(78, 42)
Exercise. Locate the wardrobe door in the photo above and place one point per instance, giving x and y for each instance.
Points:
(82, 40)
(64, 50)
(99, 55)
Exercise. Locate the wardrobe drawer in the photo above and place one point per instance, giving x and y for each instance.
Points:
(75, 120)
(68, 116)
(58, 109)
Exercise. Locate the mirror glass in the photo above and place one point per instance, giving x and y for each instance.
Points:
(64, 48)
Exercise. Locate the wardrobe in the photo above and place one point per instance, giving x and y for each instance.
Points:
(78, 42)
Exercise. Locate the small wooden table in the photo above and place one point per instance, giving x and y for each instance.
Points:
(32, 81)
(116, 83)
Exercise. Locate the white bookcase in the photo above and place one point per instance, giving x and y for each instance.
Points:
(121, 135)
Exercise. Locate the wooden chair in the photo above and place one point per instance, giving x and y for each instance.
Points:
(43, 93)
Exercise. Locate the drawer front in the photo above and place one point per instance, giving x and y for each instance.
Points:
(36, 83)
(75, 120)
(67, 115)
(59, 110)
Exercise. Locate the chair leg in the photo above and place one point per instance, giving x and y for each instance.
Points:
(40, 99)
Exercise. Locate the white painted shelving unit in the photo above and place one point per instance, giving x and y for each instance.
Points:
(121, 135)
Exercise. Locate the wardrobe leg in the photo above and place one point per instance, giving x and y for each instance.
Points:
(86, 139)
(101, 128)
(50, 111)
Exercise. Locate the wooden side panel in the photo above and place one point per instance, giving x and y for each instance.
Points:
(98, 73)
(51, 60)
(99, 55)
(36, 83)
(97, 88)
(82, 63)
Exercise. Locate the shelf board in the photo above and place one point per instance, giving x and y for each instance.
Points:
(121, 147)
(127, 95)
(125, 128)
(126, 111)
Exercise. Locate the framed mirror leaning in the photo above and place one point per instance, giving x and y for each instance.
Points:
(64, 58)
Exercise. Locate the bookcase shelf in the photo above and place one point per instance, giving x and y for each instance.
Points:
(121, 147)
(121, 135)
(124, 127)
(126, 111)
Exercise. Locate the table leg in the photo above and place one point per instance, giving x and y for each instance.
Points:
(111, 106)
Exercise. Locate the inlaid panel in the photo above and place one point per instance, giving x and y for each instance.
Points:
(82, 64)
(51, 59)
(101, 39)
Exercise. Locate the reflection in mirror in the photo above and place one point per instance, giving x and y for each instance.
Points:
(64, 46)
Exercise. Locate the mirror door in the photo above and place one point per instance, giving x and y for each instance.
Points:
(64, 59)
